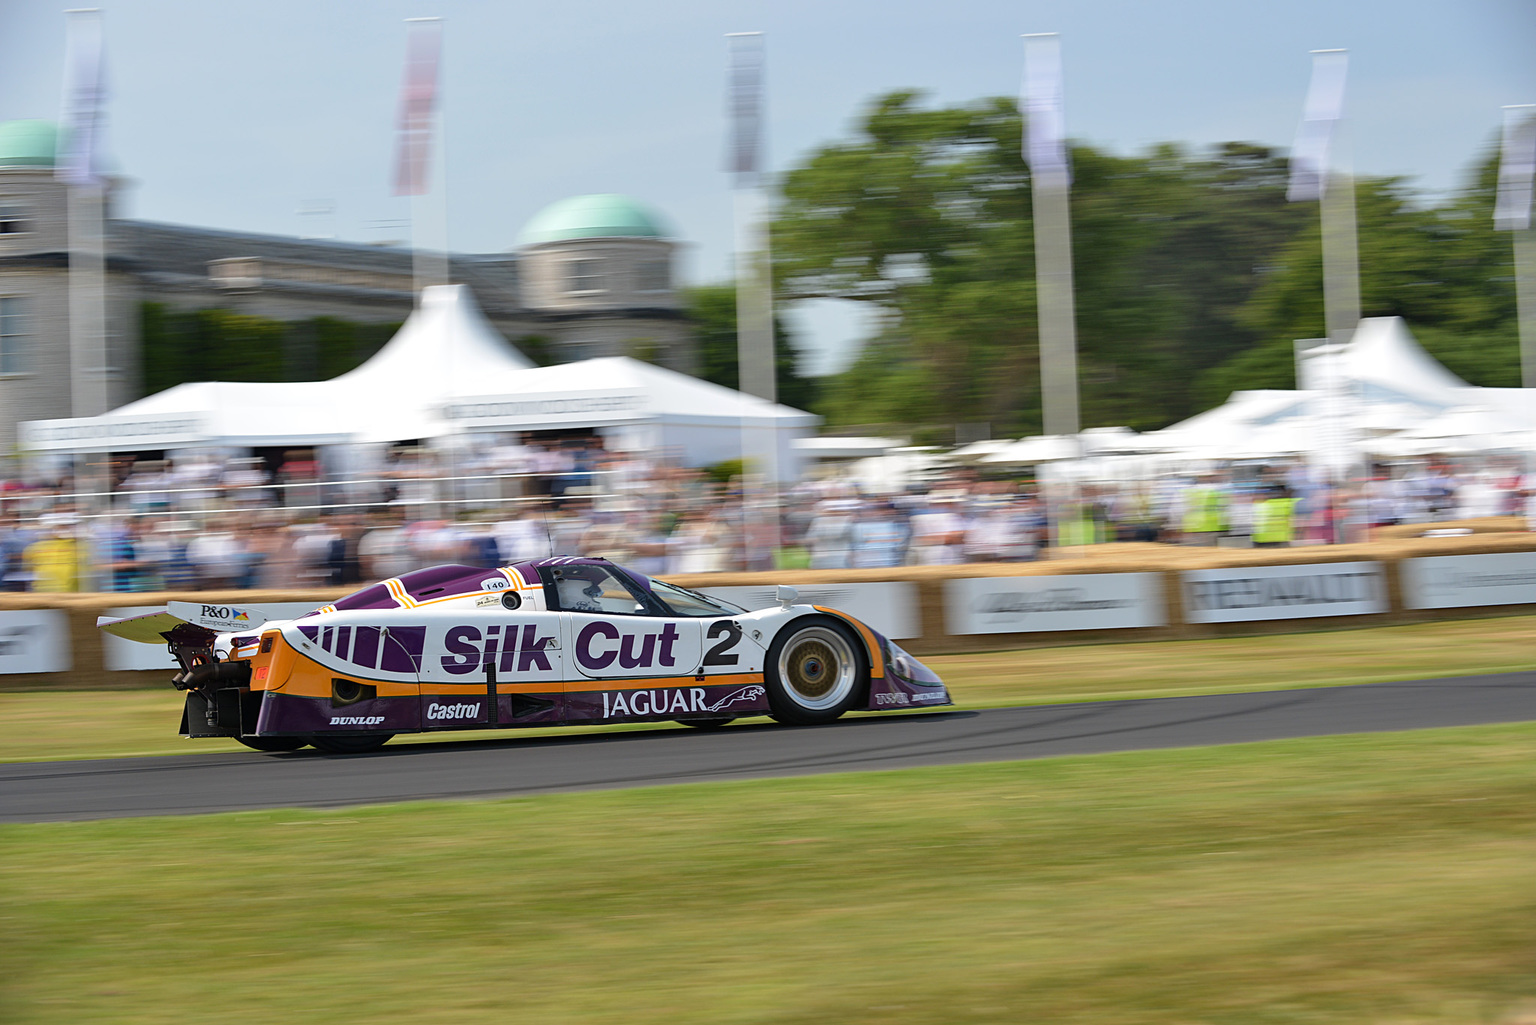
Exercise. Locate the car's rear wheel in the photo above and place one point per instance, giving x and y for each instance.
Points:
(815, 672)
(349, 743)
(714, 722)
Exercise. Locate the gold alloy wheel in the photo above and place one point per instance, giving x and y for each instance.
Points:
(817, 668)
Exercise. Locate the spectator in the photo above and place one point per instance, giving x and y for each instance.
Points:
(53, 560)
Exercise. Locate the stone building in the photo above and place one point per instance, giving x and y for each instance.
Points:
(590, 276)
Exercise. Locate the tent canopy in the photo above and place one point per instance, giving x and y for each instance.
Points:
(1386, 384)
(446, 371)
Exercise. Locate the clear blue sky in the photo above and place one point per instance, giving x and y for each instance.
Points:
(232, 115)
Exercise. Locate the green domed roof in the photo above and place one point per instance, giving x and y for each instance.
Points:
(599, 216)
(31, 143)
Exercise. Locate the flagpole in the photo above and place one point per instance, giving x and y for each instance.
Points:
(1050, 185)
(1512, 213)
(1320, 172)
(85, 215)
(754, 298)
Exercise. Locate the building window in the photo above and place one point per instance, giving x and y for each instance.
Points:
(585, 276)
(13, 220)
(653, 276)
(13, 331)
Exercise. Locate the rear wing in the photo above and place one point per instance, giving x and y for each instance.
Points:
(152, 627)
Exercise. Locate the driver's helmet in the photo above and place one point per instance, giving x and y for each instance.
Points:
(579, 591)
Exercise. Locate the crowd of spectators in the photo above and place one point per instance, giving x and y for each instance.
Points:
(261, 523)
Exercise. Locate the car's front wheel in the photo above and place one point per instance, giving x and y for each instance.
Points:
(349, 743)
(815, 672)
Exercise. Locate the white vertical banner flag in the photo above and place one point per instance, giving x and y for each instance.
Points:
(418, 105)
(1324, 107)
(1517, 169)
(84, 99)
(1045, 143)
(744, 103)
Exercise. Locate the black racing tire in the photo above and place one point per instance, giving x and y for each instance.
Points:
(714, 722)
(349, 743)
(815, 671)
(273, 743)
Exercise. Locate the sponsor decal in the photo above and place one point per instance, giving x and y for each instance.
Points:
(1283, 592)
(601, 643)
(673, 700)
(469, 649)
(36, 641)
(356, 720)
(1461, 581)
(1086, 601)
(463, 710)
(931, 695)
(892, 699)
(1060, 599)
(14, 641)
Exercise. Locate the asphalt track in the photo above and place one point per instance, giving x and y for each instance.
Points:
(471, 768)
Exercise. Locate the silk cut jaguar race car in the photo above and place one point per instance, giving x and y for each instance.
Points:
(566, 641)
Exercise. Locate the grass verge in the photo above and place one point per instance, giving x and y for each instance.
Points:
(115, 724)
(1381, 878)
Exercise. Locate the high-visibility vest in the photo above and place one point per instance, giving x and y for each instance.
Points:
(1204, 511)
(1077, 527)
(1274, 521)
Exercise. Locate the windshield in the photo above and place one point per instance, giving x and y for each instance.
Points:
(684, 602)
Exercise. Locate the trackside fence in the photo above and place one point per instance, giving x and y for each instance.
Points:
(1106, 593)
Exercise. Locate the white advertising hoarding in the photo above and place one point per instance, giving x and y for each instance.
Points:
(1462, 581)
(1090, 601)
(34, 641)
(1249, 593)
(890, 608)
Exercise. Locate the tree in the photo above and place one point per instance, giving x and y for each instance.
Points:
(1193, 274)
(927, 213)
(712, 308)
(221, 345)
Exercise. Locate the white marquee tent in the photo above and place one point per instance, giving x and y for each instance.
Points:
(1380, 394)
(446, 372)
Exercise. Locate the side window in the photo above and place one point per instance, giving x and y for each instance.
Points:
(14, 220)
(13, 334)
(586, 588)
(584, 276)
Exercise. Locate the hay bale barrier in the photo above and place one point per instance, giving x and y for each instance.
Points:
(931, 584)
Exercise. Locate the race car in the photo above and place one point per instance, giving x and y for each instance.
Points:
(563, 641)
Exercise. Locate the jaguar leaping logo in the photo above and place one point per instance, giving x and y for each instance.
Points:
(751, 693)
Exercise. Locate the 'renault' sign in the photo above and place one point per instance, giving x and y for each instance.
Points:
(1284, 592)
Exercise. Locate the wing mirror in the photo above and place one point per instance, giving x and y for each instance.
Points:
(786, 595)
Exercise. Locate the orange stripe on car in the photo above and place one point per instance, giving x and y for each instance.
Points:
(871, 645)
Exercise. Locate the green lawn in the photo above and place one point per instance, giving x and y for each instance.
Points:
(106, 724)
(1376, 878)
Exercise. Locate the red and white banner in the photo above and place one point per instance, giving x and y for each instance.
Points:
(85, 89)
(418, 106)
(1325, 105)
